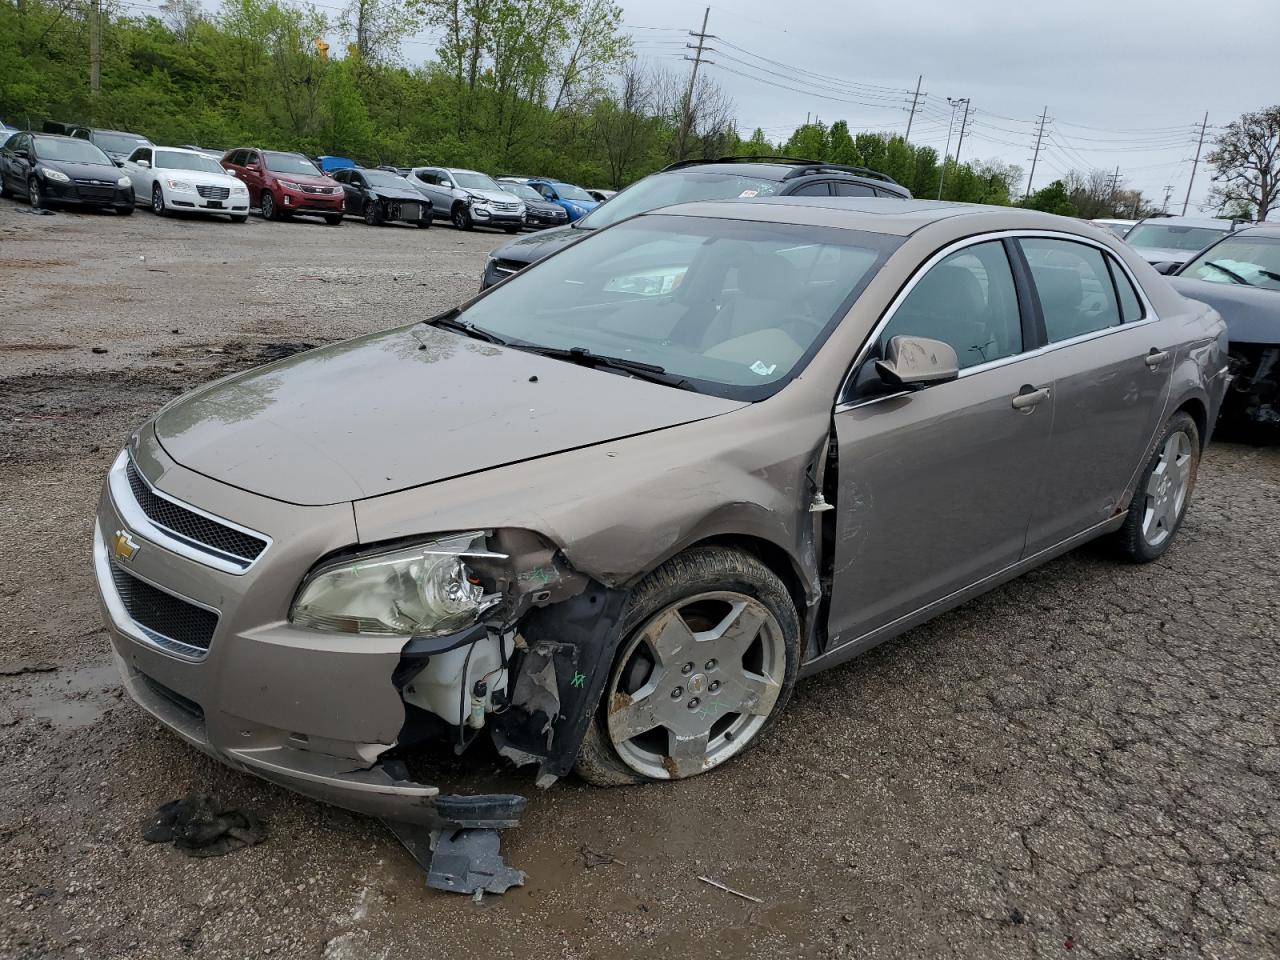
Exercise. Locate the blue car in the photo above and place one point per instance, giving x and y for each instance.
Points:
(575, 201)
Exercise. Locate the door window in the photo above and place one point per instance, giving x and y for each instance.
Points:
(813, 190)
(341, 175)
(1074, 286)
(967, 300)
(426, 176)
(845, 188)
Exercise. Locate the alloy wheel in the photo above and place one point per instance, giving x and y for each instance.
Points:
(695, 684)
(33, 193)
(157, 200)
(1167, 489)
(268, 206)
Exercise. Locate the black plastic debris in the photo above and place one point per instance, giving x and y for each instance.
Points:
(465, 861)
(201, 826)
(37, 211)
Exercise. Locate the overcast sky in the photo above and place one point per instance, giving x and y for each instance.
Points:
(1127, 82)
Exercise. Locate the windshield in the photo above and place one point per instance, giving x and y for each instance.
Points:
(735, 307)
(664, 189)
(522, 190)
(1244, 260)
(1171, 237)
(168, 160)
(568, 191)
(291, 163)
(120, 142)
(69, 151)
(476, 181)
(381, 178)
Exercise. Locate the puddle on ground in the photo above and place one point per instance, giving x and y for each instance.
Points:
(68, 698)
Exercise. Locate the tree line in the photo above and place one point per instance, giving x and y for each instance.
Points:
(550, 87)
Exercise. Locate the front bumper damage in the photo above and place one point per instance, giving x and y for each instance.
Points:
(342, 719)
(1254, 393)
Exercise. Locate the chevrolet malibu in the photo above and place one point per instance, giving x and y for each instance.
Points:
(608, 512)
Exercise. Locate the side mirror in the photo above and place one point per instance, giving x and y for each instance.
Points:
(1166, 267)
(146, 164)
(915, 362)
(118, 162)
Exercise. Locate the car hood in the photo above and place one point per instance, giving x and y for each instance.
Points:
(494, 196)
(541, 206)
(1165, 254)
(1251, 313)
(199, 177)
(85, 171)
(306, 179)
(403, 408)
(407, 192)
(535, 246)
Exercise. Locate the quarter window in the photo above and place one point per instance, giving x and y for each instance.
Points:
(1074, 286)
(1130, 305)
(967, 300)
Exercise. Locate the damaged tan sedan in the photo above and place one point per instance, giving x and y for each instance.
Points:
(609, 511)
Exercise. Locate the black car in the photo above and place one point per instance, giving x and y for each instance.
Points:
(51, 170)
(538, 211)
(691, 180)
(1239, 276)
(382, 197)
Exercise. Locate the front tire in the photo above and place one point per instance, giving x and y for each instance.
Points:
(267, 206)
(707, 664)
(425, 223)
(240, 218)
(333, 219)
(34, 197)
(373, 213)
(461, 218)
(512, 229)
(157, 201)
(1164, 491)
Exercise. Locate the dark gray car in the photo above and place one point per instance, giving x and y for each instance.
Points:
(539, 213)
(1239, 276)
(381, 197)
(608, 512)
(723, 179)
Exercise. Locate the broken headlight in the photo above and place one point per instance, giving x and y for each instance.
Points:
(424, 590)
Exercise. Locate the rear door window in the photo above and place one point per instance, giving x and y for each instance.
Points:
(846, 188)
(820, 189)
(1074, 285)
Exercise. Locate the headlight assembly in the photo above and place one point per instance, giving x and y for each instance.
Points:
(424, 590)
(290, 185)
(124, 182)
(180, 186)
(51, 174)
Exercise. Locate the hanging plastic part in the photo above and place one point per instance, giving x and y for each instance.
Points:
(479, 697)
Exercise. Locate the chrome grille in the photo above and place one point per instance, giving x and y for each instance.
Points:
(506, 207)
(190, 525)
(162, 614)
(213, 193)
(307, 188)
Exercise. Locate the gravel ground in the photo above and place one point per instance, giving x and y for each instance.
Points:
(1082, 763)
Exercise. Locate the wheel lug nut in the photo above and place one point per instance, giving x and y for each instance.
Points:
(677, 693)
(693, 703)
(687, 669)
(714, 686)
(711, 665)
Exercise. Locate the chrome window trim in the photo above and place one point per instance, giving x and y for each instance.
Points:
(120, 618)
(1149, 314)
(136, 520)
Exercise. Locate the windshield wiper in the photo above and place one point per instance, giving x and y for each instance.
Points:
(449, 321)
(636, 368)
(1235, 277)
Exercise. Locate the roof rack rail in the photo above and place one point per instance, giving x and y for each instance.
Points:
(758, 158)
(803, 166)
(847, 168)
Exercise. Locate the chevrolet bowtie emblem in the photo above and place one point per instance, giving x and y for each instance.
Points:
(123, 546)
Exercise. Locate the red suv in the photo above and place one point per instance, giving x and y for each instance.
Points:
(282, 184)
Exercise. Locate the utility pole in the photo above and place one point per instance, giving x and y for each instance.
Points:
(942, 172)
(686, 119)
(1196, 162)
(1036, 156)
(963, 126)
(1115, 188)
(914, 100)
(1168, 192)
(95, 46)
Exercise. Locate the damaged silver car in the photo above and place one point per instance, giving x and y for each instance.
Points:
(608, 512)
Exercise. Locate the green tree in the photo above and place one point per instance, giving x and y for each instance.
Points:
(1052, 199)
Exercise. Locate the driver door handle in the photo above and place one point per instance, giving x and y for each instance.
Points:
(1155, 358)
(1028, 397)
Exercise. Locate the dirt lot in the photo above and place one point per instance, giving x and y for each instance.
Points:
(1083, 763)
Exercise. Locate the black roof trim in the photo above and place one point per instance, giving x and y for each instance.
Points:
(803, 168)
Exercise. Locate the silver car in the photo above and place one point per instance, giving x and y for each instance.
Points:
(468, 198)
(608, 512)
(1172, 241)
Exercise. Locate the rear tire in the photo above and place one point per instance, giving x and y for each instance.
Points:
(721, 695)
(512, 229)
(240, 218)
(5, 192)
(1163, 493)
